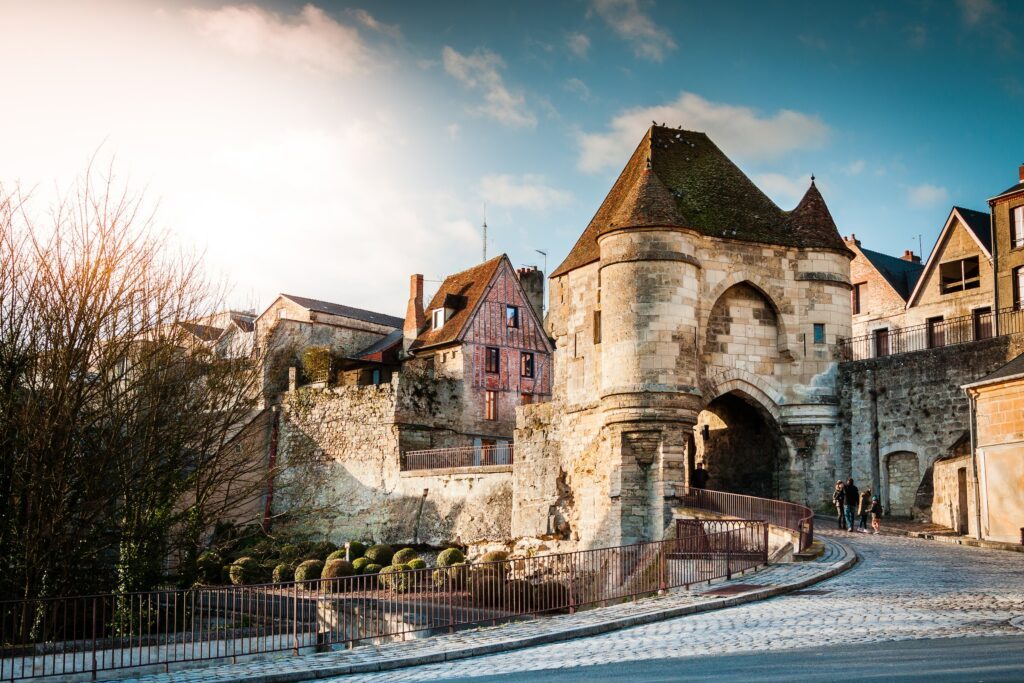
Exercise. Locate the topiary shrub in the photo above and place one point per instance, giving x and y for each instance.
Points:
(551, 596)
(225, 574)
(380, 554)
(244, 571)
(416, 563)
(309, 570)
(323, 549)
(356, 550)
(458, 574)
(519, 595)
(450, 557)
(359, 564)
(440, 578)
(372, 569)
(208, 566)
(493, 556)
(289, 552)
(487, 586)
(283, 573)
(336, 555)
(333, 576)
(404, 555)
(395, 578)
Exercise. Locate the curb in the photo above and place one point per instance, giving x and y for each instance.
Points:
(329, 670)
(955, 540)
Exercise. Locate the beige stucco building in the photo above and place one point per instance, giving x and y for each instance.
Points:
(694, 321)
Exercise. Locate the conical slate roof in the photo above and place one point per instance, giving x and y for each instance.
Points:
(680, 178)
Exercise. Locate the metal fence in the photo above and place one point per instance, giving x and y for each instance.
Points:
(87, 635)
(466, 456)
(931, 335)
(798, 518)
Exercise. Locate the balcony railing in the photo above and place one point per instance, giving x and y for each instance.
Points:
(932, 335)
(466, 456)
(780, 513)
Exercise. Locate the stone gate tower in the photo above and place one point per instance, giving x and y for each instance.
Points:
(695, 322)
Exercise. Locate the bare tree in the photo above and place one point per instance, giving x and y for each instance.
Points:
(113, 419)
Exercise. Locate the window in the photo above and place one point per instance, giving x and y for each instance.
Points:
(597, 327)
(1017, 227)
(511, 316)
(936, 332)
(491, 405)
(819, 333)
(982, 322)
(858, 296)
(882, 342)
(282, 313)
(956, 276)
(1018, 287)
(526, 364)
(438, 321)
(493, 363)
(375, 376)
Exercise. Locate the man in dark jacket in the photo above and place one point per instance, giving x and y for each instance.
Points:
(851, 496)
(700, 477)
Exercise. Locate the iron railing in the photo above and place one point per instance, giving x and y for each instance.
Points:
(466, 456)
(931, 335)
(780, 513)
(87, 635)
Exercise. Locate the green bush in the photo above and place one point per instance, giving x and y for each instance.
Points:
(359, 564)
(380, 554)
(336, 555)
(283, 573)
(336, 569)
(208, 566)
(404, 555)
(309, 570)
(551, 596)
(487, 585)
(393, 577)
(289, 552)
(225, 574)
(440, 578)
(372, 569)
(416, 563)
(450, 557)
(519, 595)
(323, 549)
(244, 571)
(317, 362)
(356, 549)
(493, 556)
(458, 575)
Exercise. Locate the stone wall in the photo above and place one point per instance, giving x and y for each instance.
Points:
(912, 404)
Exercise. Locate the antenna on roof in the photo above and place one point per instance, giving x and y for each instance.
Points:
(920, 247)
(485, 231)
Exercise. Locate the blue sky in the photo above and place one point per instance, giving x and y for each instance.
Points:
(331, 149)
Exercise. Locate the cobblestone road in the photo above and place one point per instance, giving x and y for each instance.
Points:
(903, 588)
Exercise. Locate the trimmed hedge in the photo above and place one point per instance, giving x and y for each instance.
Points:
(450, 557)
(416, 563)
(393, 577)
(356, 550)
(372, 569)
(336, 569)
(245, 571)
(336, 555)
(380, 554)
(359, 564)
(404, 555)
(309, 570)
(283, 573)
(208, 566)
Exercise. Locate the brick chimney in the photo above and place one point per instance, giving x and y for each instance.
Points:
(852, 239)
(909, 255)
(532, 281)
(414, 318)
(1021, 171)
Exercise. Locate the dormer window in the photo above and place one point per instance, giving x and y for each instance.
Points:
(438, 319)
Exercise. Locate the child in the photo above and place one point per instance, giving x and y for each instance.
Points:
(876, 514)
(863, 509)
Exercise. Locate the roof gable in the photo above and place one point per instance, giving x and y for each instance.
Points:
(956, 217)
(466, 288)
(680, 178)
(900, 274)
(346, 311)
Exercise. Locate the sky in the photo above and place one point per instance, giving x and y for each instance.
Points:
(330, 150)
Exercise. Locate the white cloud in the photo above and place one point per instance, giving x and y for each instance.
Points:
(481, 70)
(926, 195)
(575, 85)
(975, 12)
(371, 22)
(453, 131)
(310, 38)
(785, 191)
(629, 22)
(740, 131)
(855, 167)
(526, 191)
(579, 44)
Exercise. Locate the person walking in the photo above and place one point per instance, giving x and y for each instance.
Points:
(851, 497)
(838, 498)
(864, 509)
(700, 477)
(876, 514)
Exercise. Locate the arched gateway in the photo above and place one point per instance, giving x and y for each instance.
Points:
(694, 319)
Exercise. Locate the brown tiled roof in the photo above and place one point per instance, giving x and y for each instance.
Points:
(680, 178)
(470, 285)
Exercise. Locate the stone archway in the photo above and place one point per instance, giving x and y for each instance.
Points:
(741, 445)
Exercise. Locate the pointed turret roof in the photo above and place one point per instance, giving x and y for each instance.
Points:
(680, 178)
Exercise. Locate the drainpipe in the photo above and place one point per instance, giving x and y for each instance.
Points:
(974, 465)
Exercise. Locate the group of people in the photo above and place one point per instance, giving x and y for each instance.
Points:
(850, 502)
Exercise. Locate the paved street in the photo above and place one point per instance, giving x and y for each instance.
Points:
(903, 589)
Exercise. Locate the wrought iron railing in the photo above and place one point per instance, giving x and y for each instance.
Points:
(466, 456)
(930, 335)
(780, 513)
(86, 635)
